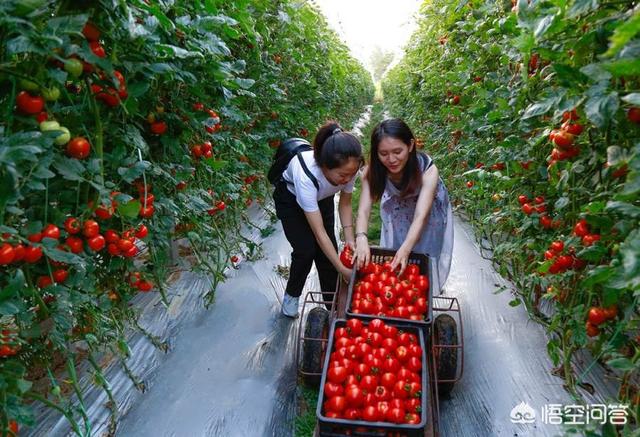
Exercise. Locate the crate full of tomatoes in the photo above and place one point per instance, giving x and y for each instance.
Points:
(377, 291)
(374, 380)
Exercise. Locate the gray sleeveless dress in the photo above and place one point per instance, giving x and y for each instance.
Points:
(437, 236)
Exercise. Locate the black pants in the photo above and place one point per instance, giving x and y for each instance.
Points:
(306, 249)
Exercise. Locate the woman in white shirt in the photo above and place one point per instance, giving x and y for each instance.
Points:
(304, 203)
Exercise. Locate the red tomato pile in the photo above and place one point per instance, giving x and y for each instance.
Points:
(382, 293)
(374, 374)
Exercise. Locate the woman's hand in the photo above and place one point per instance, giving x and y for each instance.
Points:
(345, 272)
(362, 252)
(401, 259)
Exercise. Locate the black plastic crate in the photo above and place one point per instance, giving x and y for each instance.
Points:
(380, 255)
(329, 427)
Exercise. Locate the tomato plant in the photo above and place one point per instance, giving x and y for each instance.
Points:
(103, 111)
(550, 91)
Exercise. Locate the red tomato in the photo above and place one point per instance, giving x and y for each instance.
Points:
(522, 199)
(354, 327)
(96, 243)
(414, 364)
(415, 351)
(60, 275)
(144, 285)
(147, 212)
(581, 228)
(592, 330)
(19, 253)
(336, 404)
(346, 257)
(382, 393)
(72, 225)
(557, 246)
(125, 245)
(7, 254)
(589, 239)
(597, 316)
(91, 32)
(74, 244)
(371, 414)
(527, 209)
(412, 418)
(337, 374)
(574, 129)
(51, 231)
(633, 115)
(396, 415)
(44, 281)
(91, 228)
(369, 383)
(546, 221)
(27, 104)
(391, 365)
(389, 331)
(113, 250)
(402, 353)
(413, 405)
(332, 389)
(97, 49)
(32, 254)
(354, 396)
(111, 236)
(158, 127)
(376, 325)
(142, 231)
(78, 148)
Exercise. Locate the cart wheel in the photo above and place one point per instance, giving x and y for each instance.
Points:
(446, 334)
(316, 326)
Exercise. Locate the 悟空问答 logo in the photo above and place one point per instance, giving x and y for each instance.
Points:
(523, 413)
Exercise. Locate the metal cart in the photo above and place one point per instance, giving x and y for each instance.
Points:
(445, 347)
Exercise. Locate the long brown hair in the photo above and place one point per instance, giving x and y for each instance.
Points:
(377, 175)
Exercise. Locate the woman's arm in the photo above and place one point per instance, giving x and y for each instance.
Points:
(426, 197)
(363, 254)
(319, 232)
(346, 217)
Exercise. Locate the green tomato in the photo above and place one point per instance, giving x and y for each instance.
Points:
(73, 67)
(61, 139)
(51, 94)
(28, 85)
(49, 125)
(64, 137)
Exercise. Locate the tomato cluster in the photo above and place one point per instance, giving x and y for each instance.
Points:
(374, 374)
(582, 229)
(539, 205)
(380, 292)
(9, 345)
(564, 138)
(597, 316)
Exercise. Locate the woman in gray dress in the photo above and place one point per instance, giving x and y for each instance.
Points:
(414, 203)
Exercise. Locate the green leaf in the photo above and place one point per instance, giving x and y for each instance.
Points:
(561, 203)
(600, 107)
(581, 7)
(515, 302)
(622, 364)
(543, 106)
(62, 256)
(630, 251)
(597, 276)
(543, 25)
(623, 34)
(132, 173)
(624, 208)
(623, 67)
(130, 209)
(9, 308)
(216, 164)
(633, 99)
(70, 169)
(23, 385)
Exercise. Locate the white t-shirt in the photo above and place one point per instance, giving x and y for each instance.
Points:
(300, 185)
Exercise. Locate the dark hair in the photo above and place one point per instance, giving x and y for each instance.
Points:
(377, 175)
(332, 147)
